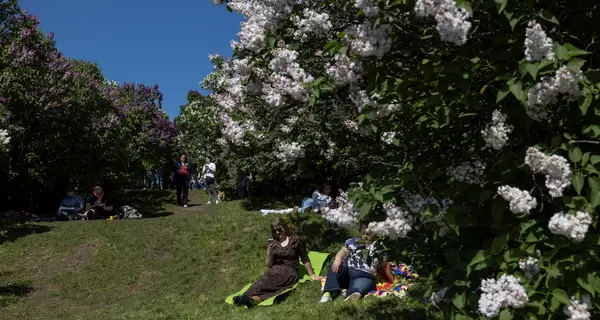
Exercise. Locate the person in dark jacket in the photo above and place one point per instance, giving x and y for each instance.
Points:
(181, 179)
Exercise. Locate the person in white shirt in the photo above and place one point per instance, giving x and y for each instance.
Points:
(208, 174)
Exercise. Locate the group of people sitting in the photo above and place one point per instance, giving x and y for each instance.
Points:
(97, 206)
(351, 275)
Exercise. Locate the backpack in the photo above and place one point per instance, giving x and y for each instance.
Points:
(127, 212)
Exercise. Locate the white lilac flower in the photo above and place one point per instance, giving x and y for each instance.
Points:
(397, 224)
(555, 167)
(452, 24)
(343, 70)
(345, 215)
(287, 77)
(469, 172)
(579, 310)
(417, 205)
(538, 46)
(351, 125)
(520, 201)
(289, 152)
(362, 100)
(573, 226)
(529, 266)
(4, 137)
(369, 7)
(496, 133)
(546, 92)
(366, 41)
(311, 23)
(506, 292)
(388, 137)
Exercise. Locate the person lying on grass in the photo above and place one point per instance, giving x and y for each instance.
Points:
(283, 252)
(354, 268)
(320, 200)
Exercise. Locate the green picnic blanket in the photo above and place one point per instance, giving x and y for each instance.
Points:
(317, 260)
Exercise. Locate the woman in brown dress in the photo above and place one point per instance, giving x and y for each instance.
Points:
(282, 260)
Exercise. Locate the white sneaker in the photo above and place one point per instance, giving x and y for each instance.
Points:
(210, 202)
(353, 297)
(218, 201)
(344, 292)
(185, 205)
(326, 297)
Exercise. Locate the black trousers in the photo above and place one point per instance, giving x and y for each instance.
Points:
(183, 187)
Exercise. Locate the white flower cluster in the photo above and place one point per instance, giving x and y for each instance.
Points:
(438, 296)
(469, 172)
(4, 137)
(311, 22)
(520, 201)
(397, 225)
(288, 77)
(362, 100)
(343, 70)
(388, 137)
(261, 16)
(112, 83)
(578, 310)
(496, 133)
(502, 293)
(329, 153)
(416, 204)
(369, 7)
(549, 89)
(555, 167)
(366, 41)
(452, 24)
(529, 266)
(573, 226)
(345, 215)
(538, 46)
(351, 125)
(233, 130)
(289, 152)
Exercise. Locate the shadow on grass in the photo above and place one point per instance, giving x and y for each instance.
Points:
(11, 293)
(14, 231)
(157, 214)
(149, 203)
(381, 308)
(318, 234)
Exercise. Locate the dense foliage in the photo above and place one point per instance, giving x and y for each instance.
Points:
(474, 123)
(64, 124)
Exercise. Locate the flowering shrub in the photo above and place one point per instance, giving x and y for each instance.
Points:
(481, 107)
(63, 123)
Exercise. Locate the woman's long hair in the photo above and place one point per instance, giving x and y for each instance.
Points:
(279, 222)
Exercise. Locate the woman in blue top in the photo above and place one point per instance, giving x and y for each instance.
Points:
(71, 205)
(320, 199)
(354, 268)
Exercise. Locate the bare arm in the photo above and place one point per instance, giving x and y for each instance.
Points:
(342, 254)
(269, 259)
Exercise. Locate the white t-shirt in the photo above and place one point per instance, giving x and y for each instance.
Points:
(209, 170)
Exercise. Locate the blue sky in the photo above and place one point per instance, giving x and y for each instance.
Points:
(142, 41)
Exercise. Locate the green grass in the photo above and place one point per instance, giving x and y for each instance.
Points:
(180, 264)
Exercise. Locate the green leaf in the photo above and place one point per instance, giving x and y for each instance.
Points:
(578, 181)
(585, 159)
(585, 105)
(560, 51)
(498, 207)
(532, 69)
(480, 256)
(499, 243)
(319, 80)
(594, 198)
(501, 95)
(517, 91)
(575, 153)
(464, 4)
(547, 15)
(575, 64)
(378, 196)
(229, 8)
(594, 159)
(505, 314)
(593, 75)
(587, 286)
(484, 196)
(591, 169)
(561, 295)
(459, 300)
(592, 131)
(501, 4)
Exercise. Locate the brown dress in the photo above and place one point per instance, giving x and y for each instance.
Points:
(284, 272)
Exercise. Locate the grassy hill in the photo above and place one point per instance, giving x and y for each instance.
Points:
(179, 264)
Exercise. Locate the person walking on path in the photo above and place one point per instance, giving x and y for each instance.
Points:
(208, 174)
(181, 178)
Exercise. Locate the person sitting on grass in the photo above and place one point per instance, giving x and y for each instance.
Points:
(320, 199)
(98, 206)
(282, 260)
(354, 268)
(70, 206)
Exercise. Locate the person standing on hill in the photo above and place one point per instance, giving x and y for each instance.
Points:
(181, 178)
(208, 174)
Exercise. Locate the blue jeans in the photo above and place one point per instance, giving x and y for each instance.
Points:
(309, 203)
(351, 279)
